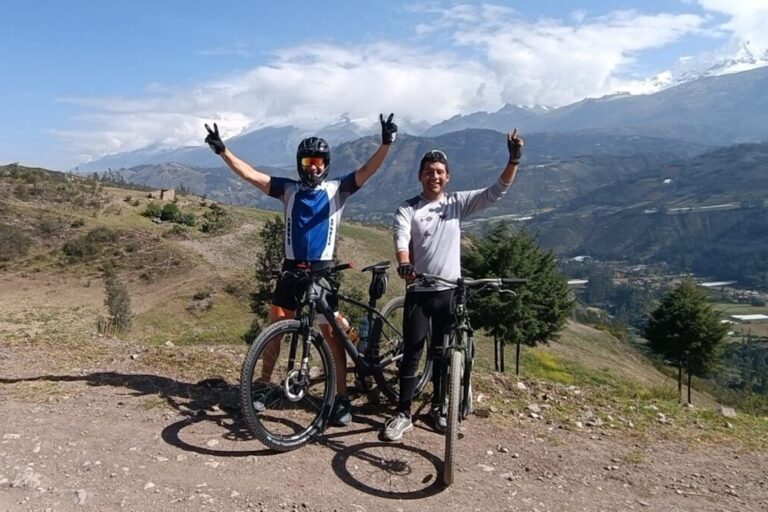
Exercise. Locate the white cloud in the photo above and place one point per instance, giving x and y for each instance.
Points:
(553, 63)
(489, 56)
(308, 86)
(747, 20)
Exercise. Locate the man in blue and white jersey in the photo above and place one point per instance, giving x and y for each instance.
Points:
(313, 207)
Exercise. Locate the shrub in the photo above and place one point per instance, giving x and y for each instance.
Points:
(118, 304)
(253, 331)
(202, 294)
(177, 231)
(216, 220)
(170, 213)
(153, 210)
(188, 219)
(89, 246)
(49, 227)
(13, 242)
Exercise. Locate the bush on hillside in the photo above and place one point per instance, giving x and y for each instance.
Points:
(90, 245)
(118, 304)
(153, 210)
(188, 219)
(13, 242)
(177, 231)
(170, 213)
(216, 220)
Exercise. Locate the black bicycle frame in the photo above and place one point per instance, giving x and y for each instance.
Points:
(316, 302)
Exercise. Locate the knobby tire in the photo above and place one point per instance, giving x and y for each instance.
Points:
(456, 374)
(287, 421)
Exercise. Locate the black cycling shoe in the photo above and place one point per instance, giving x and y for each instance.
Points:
(341, 415)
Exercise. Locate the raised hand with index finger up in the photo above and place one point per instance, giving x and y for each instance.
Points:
(515, 147)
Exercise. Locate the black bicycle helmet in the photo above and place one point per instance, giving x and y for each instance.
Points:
(313, 146)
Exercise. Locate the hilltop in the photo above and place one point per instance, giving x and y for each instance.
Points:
(149, 420)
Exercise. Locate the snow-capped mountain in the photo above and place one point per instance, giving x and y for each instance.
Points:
(689, 69)
(709, 104)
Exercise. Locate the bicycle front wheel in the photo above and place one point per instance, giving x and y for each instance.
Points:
(456, 374)
(283, 401)
(391, 347)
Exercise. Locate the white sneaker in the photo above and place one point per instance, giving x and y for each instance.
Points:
(397, 426)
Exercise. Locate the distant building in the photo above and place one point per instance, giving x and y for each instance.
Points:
(717, 284)
(164, 194)
(749, 319)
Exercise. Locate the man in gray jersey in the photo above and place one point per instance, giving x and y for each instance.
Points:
(427, 232)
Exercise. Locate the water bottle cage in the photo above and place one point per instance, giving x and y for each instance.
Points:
(378, 285)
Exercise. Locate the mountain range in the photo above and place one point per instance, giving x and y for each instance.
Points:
(710, 110)
(718, 110)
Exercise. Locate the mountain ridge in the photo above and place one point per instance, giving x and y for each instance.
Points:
(712, 110)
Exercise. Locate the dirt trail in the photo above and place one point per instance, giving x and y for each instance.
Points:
(118, 436)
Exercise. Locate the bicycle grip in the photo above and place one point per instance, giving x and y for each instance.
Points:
(514, 281)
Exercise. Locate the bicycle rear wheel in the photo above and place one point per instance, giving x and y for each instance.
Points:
(283, 405)
(456, 374)
(391, 353)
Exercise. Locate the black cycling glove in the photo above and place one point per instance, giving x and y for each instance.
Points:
(388, 129)
(405, 270)
(214, 140)
(515, 147)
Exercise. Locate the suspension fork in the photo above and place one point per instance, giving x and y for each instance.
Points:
(306, 334)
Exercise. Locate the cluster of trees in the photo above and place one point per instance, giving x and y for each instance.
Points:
(748, 365)
(215, 220)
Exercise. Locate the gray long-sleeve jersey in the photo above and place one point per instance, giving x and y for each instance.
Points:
(431, 231)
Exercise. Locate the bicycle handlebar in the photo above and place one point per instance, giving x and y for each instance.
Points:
(309, 273)
(491, 282)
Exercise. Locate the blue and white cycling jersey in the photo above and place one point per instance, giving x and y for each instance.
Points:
(312, 215)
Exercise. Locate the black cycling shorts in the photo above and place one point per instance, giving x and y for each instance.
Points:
(288, 290)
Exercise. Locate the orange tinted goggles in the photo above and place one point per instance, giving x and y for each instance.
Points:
(309, 161)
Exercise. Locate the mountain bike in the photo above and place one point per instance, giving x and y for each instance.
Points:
(458, 353)
(288, 378)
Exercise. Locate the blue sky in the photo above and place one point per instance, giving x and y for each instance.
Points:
(85, 78)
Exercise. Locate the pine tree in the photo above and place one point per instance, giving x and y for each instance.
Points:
(539, 309)
(269, 259)
(687, 331)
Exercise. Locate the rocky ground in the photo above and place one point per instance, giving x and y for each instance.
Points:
(118, 435)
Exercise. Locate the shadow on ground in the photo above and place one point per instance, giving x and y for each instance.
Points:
(212, 425)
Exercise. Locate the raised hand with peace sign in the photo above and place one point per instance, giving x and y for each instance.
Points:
(214, 140)
(388, 129)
